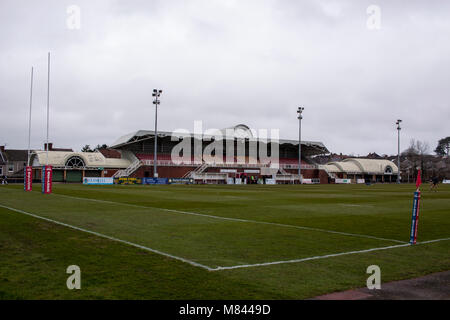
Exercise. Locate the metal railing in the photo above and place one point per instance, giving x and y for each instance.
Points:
(209, 176)
(133, 167)
(129, 170)
(148, 162)
(118, 174)
(295, 166)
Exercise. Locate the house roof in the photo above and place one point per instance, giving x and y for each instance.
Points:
(15, 155)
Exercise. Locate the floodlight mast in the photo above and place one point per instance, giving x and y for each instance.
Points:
(300, 117)
(156, 94)
(398, 150)
(48, 104)
(29, 118)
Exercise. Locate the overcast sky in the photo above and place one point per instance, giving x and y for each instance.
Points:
(227, 62)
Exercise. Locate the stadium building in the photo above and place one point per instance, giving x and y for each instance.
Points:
(358, 169)
(132, 156)
(69, 166)
(139, 148)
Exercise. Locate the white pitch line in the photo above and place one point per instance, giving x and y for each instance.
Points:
(217, 268)
(237, 219)
(355, 205)
(323, 257)
(111, 238)
(431, 241)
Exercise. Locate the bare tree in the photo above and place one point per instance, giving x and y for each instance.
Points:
(422, 147)
(416, 148)
(416, 155)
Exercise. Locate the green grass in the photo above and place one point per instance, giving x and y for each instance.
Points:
(34, 253)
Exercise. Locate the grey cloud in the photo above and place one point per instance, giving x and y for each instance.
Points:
(228, 62)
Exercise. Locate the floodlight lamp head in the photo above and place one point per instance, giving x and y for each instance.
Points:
(299, 111)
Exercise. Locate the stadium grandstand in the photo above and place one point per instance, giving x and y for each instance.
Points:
(132, 156)
(139, 146)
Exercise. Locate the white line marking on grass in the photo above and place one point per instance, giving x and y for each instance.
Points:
(237, 219)
(355, 205)
(111, 238)
(323, 257)
(217, 268)
(431, 241)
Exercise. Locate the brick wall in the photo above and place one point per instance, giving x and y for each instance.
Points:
(109, 172)
(178, 172)
(110, 153)
(163, 172)
(311, 173)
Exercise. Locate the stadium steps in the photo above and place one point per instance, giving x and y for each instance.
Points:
(197, 170)
(283, 171)
(330, 174)
(201, 168)
(129, 170)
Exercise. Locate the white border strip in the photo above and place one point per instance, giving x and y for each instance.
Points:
(111, 238)
(237, 219)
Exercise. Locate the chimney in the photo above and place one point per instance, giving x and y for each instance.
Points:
(50, 146)
(2, 148)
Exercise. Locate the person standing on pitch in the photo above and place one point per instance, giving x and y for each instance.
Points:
(434, 183)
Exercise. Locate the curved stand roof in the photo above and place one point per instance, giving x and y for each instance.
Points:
(240, 131)
(362, 166)
(89, 159)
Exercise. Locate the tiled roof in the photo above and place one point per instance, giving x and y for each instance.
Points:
(15, 155)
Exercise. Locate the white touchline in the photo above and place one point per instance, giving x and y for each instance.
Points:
(355, 205)
(323, 257)
(237, 219)
(216, 268)
(431, 241)
(307, 259)
(111, 238)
